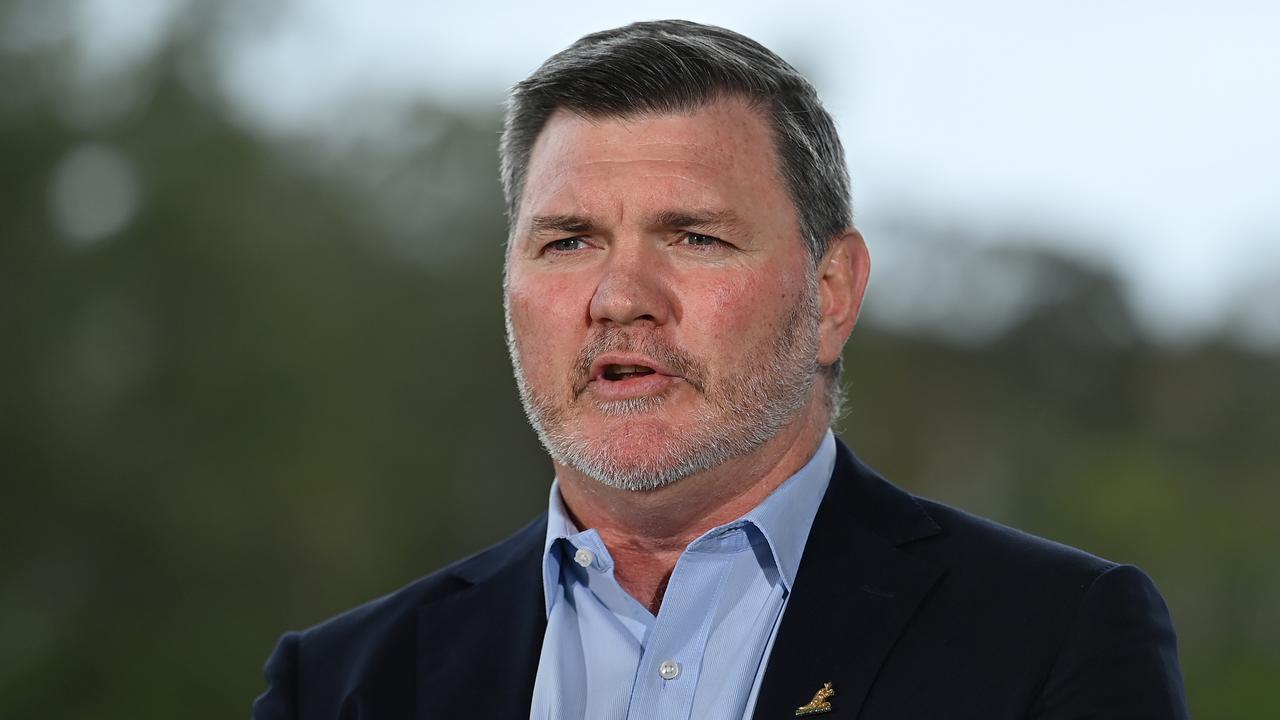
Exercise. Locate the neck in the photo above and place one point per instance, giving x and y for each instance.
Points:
(647, 531)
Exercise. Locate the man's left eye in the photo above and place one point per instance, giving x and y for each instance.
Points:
(700, 240)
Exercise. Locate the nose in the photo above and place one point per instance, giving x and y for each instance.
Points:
(633, 289)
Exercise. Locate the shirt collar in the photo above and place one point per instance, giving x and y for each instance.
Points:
(559, 527)
(783, 518)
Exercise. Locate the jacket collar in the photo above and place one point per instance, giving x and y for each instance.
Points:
(855, 592)
(478, 646)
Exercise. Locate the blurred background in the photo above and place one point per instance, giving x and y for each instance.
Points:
(251, 360)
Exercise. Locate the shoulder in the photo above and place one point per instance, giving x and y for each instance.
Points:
(1035, 587)
(1027, 580)
(969, 544)
(1084, 632)
(370, 650)
(384, 615)
(970, 551)
(1068, 632)
(991, 578)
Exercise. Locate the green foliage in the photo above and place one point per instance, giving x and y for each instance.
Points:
(264, 400)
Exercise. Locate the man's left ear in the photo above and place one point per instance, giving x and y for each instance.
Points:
(842, 280)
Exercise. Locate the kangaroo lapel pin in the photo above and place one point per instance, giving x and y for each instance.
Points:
(820, 702)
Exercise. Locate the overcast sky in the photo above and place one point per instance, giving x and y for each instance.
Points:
(1144, 132)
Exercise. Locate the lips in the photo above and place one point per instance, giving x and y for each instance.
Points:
(624, 376)
(620, 367)
(614, 373)
(619, 364)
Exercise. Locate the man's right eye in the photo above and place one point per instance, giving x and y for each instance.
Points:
(565, 245)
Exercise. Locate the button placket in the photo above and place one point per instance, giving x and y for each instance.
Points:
(668, 675)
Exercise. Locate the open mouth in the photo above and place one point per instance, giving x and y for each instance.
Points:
(613, 373)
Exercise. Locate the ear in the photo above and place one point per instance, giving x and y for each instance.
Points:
(842, 280)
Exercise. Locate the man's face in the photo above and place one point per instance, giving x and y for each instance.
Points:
(661, 305)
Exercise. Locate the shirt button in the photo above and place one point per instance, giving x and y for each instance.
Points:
(669, 669)
(584, 557)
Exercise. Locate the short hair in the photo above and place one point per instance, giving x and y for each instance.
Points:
(669, 66)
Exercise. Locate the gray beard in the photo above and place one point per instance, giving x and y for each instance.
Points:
(735, 420)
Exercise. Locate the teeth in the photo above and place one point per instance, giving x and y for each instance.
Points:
(617, 372)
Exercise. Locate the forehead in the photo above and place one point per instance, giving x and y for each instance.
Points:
(722, 152)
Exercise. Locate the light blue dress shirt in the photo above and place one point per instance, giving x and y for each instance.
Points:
(606, 657)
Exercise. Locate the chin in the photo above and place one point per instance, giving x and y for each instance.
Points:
(640, 454)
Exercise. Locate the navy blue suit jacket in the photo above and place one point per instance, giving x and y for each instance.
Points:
(910, 608)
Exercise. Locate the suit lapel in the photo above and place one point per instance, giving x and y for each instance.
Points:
(478, 647)
(854, 594)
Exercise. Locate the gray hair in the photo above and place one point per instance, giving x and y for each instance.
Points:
(670, 66)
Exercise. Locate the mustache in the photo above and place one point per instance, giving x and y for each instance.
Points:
(657, 347)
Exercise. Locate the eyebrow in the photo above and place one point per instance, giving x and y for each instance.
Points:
(719, 220)
(576, 224)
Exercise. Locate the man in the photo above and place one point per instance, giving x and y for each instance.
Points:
(681, 277)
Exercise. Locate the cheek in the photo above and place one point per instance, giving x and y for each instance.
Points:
(543, 321)
(738, 312)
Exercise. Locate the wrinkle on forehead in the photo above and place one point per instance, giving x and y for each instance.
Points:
(674, 172)
(720, 139)
(592, 163)
(713, 152)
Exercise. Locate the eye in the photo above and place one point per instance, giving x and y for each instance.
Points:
(565, 245)
(694, 239)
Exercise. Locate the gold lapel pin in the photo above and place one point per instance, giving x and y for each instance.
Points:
(819, 704)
